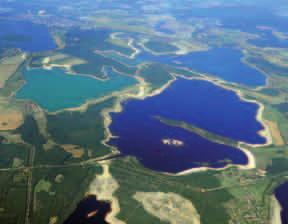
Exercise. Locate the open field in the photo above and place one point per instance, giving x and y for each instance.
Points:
(8, 66)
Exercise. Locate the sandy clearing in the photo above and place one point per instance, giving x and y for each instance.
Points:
(275, 132)
(8, 66)
(74, 150)
(275, 211)
(10, 120)
(104, 186)
(168, 207)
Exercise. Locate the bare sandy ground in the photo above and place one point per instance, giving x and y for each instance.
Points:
(275, 211)
(8, 66)
(74, 150)
(104, 186)
(275, 132)
(168, 207)
(10, 120)
(130, 44)
(250, 165)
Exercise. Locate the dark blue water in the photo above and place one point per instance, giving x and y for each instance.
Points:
(25, 35)
(222, 62)
(196, 102)
(281, 194)
(86, 206)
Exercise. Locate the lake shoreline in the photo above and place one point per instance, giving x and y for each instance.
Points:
(265, 132)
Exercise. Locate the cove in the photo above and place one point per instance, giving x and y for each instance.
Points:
(225, 63)
(196, 102)
(55, 90)
(25, 35)
(281, 193)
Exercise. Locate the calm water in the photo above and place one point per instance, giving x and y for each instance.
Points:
(86, 207)
(55, 90)
(281, 194)
(269, 40)
(25, 35)
(222, 62)
(196, 102)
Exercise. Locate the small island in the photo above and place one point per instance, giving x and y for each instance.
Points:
(172, 142)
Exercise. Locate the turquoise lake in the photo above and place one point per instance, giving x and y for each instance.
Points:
(55, 90)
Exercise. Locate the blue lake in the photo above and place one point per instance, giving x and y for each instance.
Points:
(196, 102)
(281, 194)
(224, 63)
(25, 35)
(55, 90)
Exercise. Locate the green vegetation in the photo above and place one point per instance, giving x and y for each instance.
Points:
(128, 172)
(40, 178)
(270, 92)
(95, 39)
(160, 46)
(84, 129)
(268, 67)
(95, 62)
(12, 197)
(83, 45)
(13, 83)
(155, 75)
(8, 66)
(203, 133)
(9, 152)
(60, 199)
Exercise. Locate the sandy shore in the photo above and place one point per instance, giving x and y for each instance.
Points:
(104, 186)
(144, 91)
(275, 216)
(142, 94)
(265, 132)
(129, 44)
(250, 165)
(142, 44)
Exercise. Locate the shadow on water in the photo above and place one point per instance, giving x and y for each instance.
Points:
(90, 211)
(281, 194)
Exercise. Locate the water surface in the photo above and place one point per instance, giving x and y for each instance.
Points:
(25, 35)
(198, 103)
(267, 39)
(55, 90)
(90, 211)
(225, 63)
(281, 194)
